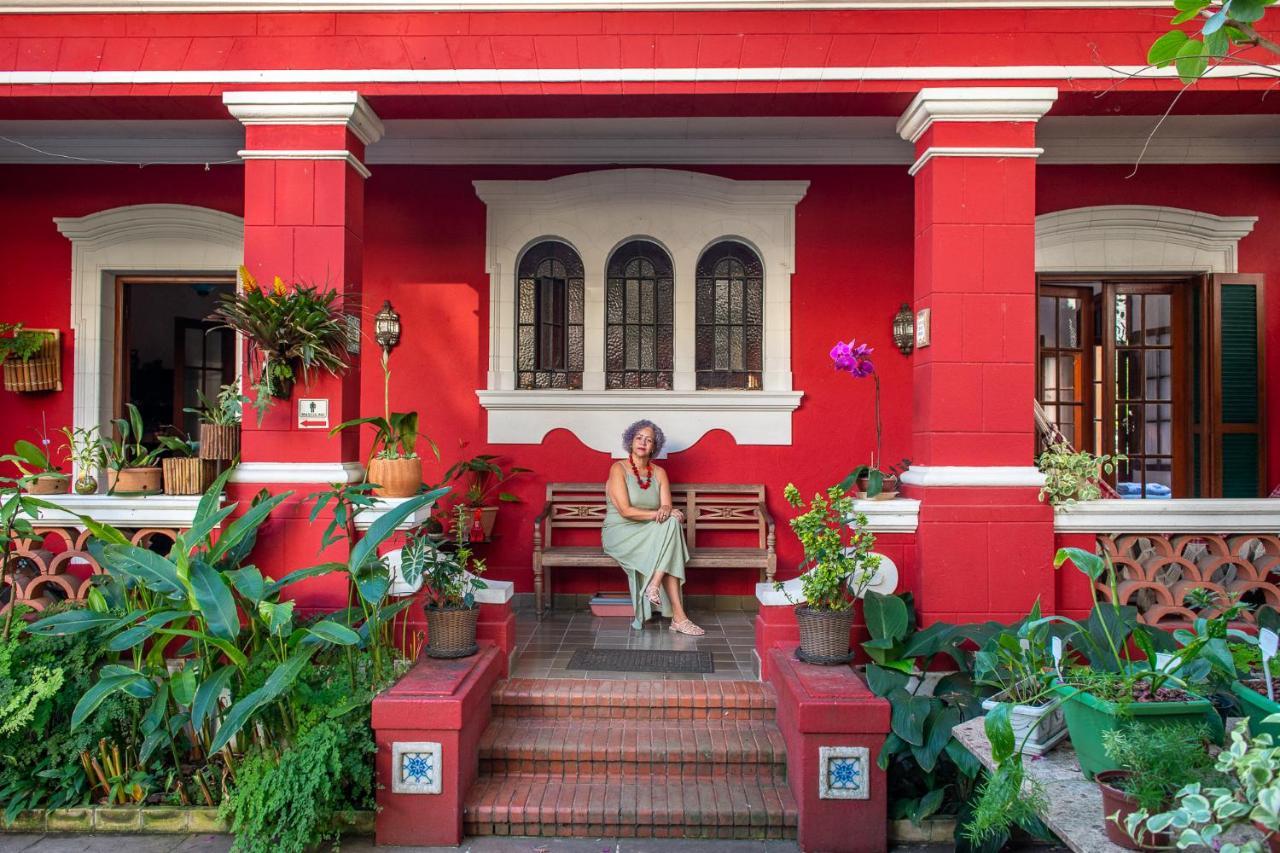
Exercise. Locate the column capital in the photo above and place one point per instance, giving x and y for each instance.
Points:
(974, 104)
(306, 108)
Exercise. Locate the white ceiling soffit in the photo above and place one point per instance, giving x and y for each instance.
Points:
(649, 141)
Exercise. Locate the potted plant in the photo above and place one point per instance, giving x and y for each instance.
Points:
(870, 480)
(292, 331)
(486, 475)
(185, 471)
(449, 582)
(41, 475)
(838, 567)
(1152, 766)
(131, 467)
(1016, 662)
(1118, 687)
(1204, 815)
(220, 422)
(394, 466)
(1073, 475)
(32, 360)
(87, 457)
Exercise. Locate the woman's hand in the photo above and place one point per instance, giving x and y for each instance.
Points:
(678, 515)
(663, 513)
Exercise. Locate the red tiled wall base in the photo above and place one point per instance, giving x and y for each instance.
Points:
(441, 701)
(830, 706)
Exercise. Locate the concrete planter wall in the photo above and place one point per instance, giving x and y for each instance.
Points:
(154, 819)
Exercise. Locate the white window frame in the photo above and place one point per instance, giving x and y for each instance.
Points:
(683, 212)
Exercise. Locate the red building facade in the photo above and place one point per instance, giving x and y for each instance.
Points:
(974, 162)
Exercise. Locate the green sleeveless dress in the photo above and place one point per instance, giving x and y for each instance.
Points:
(641, 547)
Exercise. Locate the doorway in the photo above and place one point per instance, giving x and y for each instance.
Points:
(166, 351)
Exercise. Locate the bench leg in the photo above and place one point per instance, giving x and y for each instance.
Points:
(538, 604)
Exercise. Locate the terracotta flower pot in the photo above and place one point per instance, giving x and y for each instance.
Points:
(135, 481)
(47, 484)
(219, 441)
(396, 478)
(1117, 802)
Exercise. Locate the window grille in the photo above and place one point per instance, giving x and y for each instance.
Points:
(639, 349)
(729, 326)
(549, 310)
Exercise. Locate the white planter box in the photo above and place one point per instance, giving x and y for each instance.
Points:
(1040, 726)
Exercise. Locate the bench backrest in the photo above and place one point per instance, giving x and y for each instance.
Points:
(707, 506)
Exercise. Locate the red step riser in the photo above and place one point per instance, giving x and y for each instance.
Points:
(723, 833)
(606, 712)
(631, 771)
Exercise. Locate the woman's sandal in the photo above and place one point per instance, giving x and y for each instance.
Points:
(686, 626)
(653, 596)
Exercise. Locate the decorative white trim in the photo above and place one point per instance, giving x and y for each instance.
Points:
(970, 151)
(1128, 237)
(597, 418)
(972, 475)
(772, 74)
(896, 515)
(119, 511)
(985, 104)
(431, 782)
(143, 238)
(298, 472)
(495, 592)
(100, 6)
(792, 591)
(1183, 515)
(857, 759)
(309, 108)
(304, 154)
(685, 212)
(367, 516)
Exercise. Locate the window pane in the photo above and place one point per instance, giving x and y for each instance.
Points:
(1158, 322)
(1046, 323)
(638, 319)
(1128, 375)
(729, 317)
(1159, 374)
(1069, 323)
(549, 313)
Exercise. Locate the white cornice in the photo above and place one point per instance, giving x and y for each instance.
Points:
(664, 183)
(971, 151)
(305, 154)
(140, 222)
(1196, 515)
(309, 108)
(366, 516)
(985, 104)
(128, 512)
(100, 6)
(298, 472)
(963, 476)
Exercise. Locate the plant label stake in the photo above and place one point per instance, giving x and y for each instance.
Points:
(1055, 646)
(1267, 642)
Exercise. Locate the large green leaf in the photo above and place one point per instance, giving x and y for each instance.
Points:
(367, 548)
(1191, 62)
(131, 637)
(237, 657)
(215, 600)
(937, 732)
(205, 703)
(98, 693)
(202, 523)
(147, 567)
(1165, 48)
(908, 716)
(280, 680)
(332, 632)
(372, 581)
(182, 684)
(105, 533)
(885, 615)
(884, 681)
(71, 622)
(963, 759)
(245, 525)
(249, 583)
(202, 527)
(1000, 732)
(275, 586)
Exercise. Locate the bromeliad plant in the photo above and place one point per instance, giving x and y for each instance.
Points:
(292, 330)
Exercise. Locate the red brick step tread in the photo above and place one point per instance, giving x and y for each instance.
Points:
(599, 749)
(657, 808)
(661, 700)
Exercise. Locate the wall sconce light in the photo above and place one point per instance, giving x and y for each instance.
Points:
(904, 329)
(386, 327)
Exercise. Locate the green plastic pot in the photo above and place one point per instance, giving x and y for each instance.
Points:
(1088, 717)
(1257, 708)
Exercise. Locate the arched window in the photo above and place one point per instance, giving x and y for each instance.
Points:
(549, 348)
(638, 310)
(729, 318)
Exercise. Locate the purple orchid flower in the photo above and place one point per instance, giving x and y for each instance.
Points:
(853, 358)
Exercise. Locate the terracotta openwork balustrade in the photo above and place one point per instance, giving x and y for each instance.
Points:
(1163, 550)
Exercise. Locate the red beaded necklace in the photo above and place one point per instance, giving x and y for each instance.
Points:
(642, 481)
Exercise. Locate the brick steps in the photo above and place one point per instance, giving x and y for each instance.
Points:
(644, 808)
(632, 759)
(625, 749)
(641, 700)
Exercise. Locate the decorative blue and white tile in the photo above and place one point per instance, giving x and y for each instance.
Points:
(415, 767)
(843, 773)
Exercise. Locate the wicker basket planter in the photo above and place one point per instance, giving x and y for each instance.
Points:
(451, 631)
(135, 481)
(219, 442)
(396, 478)
(41, 372)
(824, 635)
(188, 476)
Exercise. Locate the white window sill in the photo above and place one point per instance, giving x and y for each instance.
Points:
(598, 418)
(1186, 515)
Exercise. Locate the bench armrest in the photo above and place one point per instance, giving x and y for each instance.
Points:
(771, 537)
(537, 526)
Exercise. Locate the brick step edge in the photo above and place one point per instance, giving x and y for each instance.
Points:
(502, 805)
(634, 772)
(152, 820)
(542, 698)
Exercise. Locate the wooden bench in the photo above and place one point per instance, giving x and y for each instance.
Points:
(707, 507)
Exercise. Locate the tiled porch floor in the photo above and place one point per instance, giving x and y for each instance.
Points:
(543, 649)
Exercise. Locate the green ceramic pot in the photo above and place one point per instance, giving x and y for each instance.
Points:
(1257, 707)
(1088, 717)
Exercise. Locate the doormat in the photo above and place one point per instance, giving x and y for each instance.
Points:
(640, 660)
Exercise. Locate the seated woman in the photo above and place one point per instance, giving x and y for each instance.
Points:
(642, 531)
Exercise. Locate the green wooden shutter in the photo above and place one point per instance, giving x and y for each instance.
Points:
(1237, 416)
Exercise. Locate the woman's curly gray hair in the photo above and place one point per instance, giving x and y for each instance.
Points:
(629, 435)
